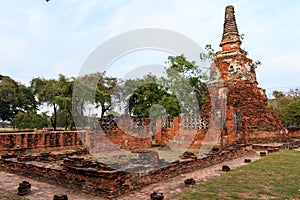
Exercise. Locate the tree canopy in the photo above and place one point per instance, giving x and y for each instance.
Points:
(183, 90)
(15, 97)
(191, 72)
(287, 106)
(152, 94)
(31, 120)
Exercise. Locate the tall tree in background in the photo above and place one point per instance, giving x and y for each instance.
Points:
(104, 90)
(30, 119)
(149, 95)
(64, 101)
(287, 107)
(185, 86)
(15, 97)
(92, 91)
(46, 91)
(125, 88)
(54, 93)
(190, 71)
(83, 90)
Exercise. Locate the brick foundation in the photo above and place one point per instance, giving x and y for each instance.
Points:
(98, 178)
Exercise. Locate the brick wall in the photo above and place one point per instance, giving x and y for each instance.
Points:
(108, 182)
(60, 139)
(38, 140)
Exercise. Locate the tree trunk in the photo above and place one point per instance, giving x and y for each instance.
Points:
(71, 120)
(102, 113)
(82, 116)
(54, 117)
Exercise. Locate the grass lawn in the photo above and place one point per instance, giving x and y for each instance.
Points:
(276, 176)
(7, 195)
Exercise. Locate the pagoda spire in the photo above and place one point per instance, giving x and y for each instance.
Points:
(230, 38)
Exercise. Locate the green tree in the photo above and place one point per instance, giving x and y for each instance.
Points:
(294, 112)
(45, 91)
(15, 97)
(124, 90)
(152, 94)
(30, 119)
(209, 56)
(287, 106)
(65, 118)
(83, 90)
(191, 72)
(64, 101)
(184, 87)
(92, 90)
(54, 93)
(104, 90)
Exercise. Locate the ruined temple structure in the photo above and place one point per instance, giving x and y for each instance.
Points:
(235, 116)
(236, 108)
(234, 90)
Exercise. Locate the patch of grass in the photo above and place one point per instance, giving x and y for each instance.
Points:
(276, 176)
(9, 196)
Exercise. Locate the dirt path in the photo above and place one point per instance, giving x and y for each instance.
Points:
(44, 191)
(39, 190)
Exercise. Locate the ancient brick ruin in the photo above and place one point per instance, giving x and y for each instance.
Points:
(236, 110)
(233, 81)
(88, 175)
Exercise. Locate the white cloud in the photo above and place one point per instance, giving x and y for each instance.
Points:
(40, 24)
(12, 48)
(107, 4)
(83, 10)
(66, 68)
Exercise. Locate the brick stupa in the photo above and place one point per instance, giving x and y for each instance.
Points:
(234, 93)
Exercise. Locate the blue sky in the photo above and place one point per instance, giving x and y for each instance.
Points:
(40, 39)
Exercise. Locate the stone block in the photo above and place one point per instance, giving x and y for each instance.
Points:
(188, 155)
(24, 188)
(157, 195)
(270, 150)
(225, 168)
(60, 197)
(189, 182)
(262, 153)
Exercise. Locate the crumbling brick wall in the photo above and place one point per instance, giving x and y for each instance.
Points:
(247, 112)
(114, 139)
(189, 133)
(91, 176)
(250, 102)
(39, 140)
